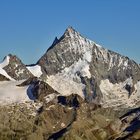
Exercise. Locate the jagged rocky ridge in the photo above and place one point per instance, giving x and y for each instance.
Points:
(16, 69)
(13, 68)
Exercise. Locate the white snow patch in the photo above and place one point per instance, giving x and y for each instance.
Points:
(112, 61)
(3, 72)
(38, 105)
(5, 62)
(123, 62)
(81, 67)
(85, 71)
(120, 61)
(20, 72)
(35, 70)
(99, 46)
(16, 65)
(33, 114)
(63, 125)
(101, 53)
(65, 85)
(126, 63)
(51, 106)
(10, 93)
(50, 97)
(129, 81)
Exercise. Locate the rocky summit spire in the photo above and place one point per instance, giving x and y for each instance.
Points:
(71, 32)
(55, 41)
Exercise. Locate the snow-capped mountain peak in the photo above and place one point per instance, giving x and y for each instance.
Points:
(79, 64)
(15, 68)
(50, 92)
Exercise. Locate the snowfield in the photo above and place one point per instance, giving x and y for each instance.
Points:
(10, 93)
(116, 95)
(65, 85)
(35, 70)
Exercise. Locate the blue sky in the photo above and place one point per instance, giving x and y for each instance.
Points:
(28, 27)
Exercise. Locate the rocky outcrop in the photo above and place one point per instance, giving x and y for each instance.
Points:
(24, 122)
(16, 69)
(71, 100)
(3, 78)
(29, 81)
(130, 124)
(39, 90)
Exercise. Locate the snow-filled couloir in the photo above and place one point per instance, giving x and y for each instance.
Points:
(11, 93)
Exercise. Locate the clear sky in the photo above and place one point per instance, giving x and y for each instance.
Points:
(28, 27)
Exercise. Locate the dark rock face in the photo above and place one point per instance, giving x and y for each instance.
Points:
(41, 89)
(129, 88)
(38, 89)
(3, 78)
(116, 68)
(29, 81)
(130, 125)
(71, 101)
(91, 90)
(16, 69)
(20, 124)
(59, 54)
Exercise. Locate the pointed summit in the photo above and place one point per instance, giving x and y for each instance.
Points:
(70, 31)
(15, 68)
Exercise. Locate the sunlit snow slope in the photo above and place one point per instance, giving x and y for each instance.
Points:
(10, 93)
